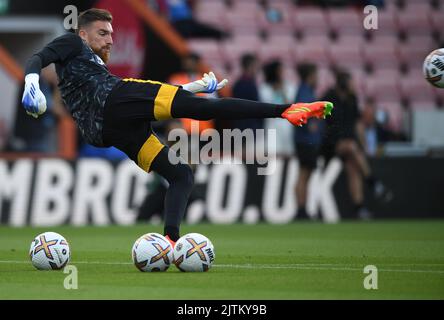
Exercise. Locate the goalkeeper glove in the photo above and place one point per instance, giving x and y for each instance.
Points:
(33, 99)
(208, 84)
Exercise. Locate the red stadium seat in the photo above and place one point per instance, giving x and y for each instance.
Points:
(418, 6)
(383, 86)
(211, 12)
(346, 54)
(311, 51)
(233, 49)
(208, 49)
(310, 21)
(242, 22)
(386, 23)
(321, 39)
(382, 55)
(415, 50)
(384, 39)
(436, 19)
(417, 90)
(277, 47)
(415, 23)
(252, 6)
(345, 21)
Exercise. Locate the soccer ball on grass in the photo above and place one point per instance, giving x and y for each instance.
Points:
(152, 252)
(49, 251)
(194, 252)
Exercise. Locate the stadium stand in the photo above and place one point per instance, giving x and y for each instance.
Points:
(385, 63)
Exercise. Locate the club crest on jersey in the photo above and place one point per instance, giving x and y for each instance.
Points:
(98, 60)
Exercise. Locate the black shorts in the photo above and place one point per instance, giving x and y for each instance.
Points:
(129, 110)
(307, 155)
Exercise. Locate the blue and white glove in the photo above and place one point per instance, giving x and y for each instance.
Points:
(33, 99)
(208, 84)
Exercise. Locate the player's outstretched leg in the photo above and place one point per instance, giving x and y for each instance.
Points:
(187, 105)
(180, 179)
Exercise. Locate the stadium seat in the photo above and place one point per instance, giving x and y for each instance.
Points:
(211, 12)
(345, 21)
(311, 51)
(346, 54)
(415, 23)
(279, 47)
(251, 6)
(310, 21)
(386, 23)
(436, 19)
(383, 86)
(242, 22)
(418, 6)
(384, 39)
(381, 55)
(234, 48)
(415, 50)
(207, 49)
(417, 90)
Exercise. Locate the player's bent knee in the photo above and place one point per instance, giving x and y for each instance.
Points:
(148, 152)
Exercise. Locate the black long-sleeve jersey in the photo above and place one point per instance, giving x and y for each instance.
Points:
(84, 82)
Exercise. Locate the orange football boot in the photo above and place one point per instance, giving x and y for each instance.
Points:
(299, 113)
(173, 243)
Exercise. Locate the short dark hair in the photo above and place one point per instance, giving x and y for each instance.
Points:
(305, 70)
(271, 71)
(247, 60)
(89, 16)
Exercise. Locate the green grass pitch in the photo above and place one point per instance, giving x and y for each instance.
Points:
(294, 261)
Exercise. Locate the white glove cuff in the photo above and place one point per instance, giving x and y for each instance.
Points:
(32, 77)
(188, 86)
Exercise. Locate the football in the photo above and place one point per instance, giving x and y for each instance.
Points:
(194, 252)
(49, 251)
(434, 68)
(152, 252)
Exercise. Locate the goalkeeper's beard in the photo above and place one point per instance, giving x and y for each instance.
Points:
(104, 53)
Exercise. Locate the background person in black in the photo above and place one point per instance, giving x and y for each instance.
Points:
(110, 111)
(341, 139)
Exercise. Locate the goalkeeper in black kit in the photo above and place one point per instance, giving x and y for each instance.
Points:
(111, 111)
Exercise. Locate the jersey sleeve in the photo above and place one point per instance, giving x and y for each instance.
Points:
(65, 47)
(60, 50)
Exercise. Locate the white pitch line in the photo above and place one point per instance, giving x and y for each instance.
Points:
(302, 266)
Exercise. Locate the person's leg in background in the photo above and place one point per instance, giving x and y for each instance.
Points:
(356, 188)
(301, 192)
(307, 155)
